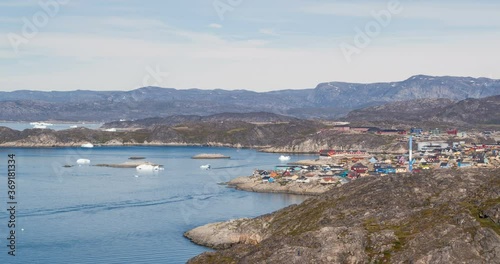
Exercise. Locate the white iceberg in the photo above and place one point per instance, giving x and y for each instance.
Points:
(284, 158)
(83, 161)
(87, 145)
(149, 167)
(205, 167)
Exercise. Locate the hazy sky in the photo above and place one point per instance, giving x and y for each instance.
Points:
(241, 44)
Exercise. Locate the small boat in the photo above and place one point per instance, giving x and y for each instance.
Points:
(205, 167)
(87, 145)
(39, 126)
(74, 126)
(284, 158)
(136, 158)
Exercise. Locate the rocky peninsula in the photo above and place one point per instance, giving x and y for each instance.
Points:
(443, 216)
(210, 156)
(255, 184)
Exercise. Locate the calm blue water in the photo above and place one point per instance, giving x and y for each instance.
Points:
(106, 215)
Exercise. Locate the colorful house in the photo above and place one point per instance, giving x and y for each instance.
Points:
(359, 168)
(452, 132)
(416, 131)
(360, 129)
(444, 165)
(392, 132)
(464, 164)
(388, 170)
(341, 128)
(401, 169)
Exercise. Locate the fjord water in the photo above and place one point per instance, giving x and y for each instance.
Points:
(89, 214)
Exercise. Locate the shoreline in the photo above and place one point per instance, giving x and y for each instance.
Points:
(255, 184)
(249, 231)
(168, 144)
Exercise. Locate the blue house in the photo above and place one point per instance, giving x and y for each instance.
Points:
(444, 165)
(416, 131)
(388, 170)
(464, 164)
(343, 174)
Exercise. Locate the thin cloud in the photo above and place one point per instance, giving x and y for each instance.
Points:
(215, 25)
(461, 14)
(18, 3)
(268, 31)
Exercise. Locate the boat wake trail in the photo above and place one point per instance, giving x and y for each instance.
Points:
(92, 208)
(244, 166)
(229, 167)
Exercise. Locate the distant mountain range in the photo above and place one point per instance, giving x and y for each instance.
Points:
(326, 101)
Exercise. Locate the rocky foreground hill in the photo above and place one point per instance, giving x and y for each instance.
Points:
(327, 100)
(445, 216)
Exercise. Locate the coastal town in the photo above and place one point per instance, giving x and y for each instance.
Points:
(430, 150)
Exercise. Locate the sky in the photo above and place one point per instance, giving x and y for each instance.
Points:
(258, 45)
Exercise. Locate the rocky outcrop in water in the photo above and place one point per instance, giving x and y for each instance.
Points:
(255, 184)
(223, 235)
(445, 216)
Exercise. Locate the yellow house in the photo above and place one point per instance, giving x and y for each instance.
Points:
(401, 169)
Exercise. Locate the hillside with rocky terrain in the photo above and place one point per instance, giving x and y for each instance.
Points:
(294, 136)
(442, 216)
(327, 100)
(251, 117)
(474, 111)
(469, 111)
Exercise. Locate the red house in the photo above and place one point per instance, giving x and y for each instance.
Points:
(360, 129)
(341, 128)
(359, 168)
(392, 132)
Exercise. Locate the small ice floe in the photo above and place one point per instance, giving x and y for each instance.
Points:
(83, 161)
(284, 158)
(87, 145)
(149, 167)
(40, 125)
(205, 167)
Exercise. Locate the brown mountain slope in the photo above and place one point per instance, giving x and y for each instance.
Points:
(474, 111)
(468, 111)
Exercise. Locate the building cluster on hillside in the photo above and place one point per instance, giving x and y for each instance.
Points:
(338, 166)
